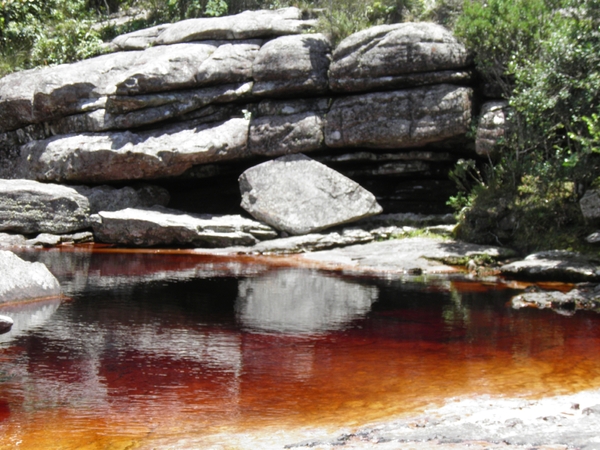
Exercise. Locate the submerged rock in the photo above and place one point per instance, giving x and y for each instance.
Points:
(556, 265)
(30, 207)
(160, 226)
(23, 280)
(298, 195)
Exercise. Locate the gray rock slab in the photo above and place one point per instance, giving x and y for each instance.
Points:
(311, 242)
(292, 65)
(23, 280)
(140, 39)
(124, 112)
(163, 227)
(298, 195)
(491, 127)
(555, 265)
(590, 205)
(12, 240)
(403, 256)
(399, 119)
(390, 56)
(110, 198)
(585, 296)
(246, 25)
(29, 207)
(52, 240)
(113, 156)
(286, 127)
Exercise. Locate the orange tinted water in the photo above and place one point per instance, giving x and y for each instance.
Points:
(155, 350)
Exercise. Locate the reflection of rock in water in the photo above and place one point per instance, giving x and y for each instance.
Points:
(28, 315)
(297, 301)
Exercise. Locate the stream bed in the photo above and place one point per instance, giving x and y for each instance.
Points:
(168, 350)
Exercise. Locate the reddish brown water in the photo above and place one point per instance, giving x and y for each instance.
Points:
(156, 350)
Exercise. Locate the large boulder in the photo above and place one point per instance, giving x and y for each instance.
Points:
(400, 55)
(23, 280)
(285, 127)
(162, 152)
(246, 25)
(30, 207)
(298, 195)
(398, 119)
(160, 226)
(292, 65)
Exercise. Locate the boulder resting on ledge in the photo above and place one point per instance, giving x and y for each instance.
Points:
(299, 195)
(22, 280)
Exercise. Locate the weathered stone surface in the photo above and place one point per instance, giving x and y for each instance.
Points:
(30, 207)
(140, 39)
(299, 195)
(555, 265)
(585, 296)
(124, 112)
(160, 226)
(52, 240)
(397, 119)
(292, 65)
(312, 242)
(285, 127)
(109, 198)
(22, 280)
(404, 256)
(389, 56)
(590, 205)
(492, 127)
(246, 25)
(126, 155)
(11, 240)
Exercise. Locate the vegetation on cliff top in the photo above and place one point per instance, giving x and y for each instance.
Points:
(543, 56)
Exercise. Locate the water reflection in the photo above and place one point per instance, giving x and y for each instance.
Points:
(27, 316)
(293, 301)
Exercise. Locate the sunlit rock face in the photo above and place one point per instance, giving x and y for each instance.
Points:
(22, 280)
(292, 301)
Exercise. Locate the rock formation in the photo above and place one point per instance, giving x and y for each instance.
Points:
(178, 103)
(23, 280)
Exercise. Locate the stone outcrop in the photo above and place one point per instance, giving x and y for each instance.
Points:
(590, 205)
(585, 296)
(23, 280)
(298, 195)
(179, 103)
(557, 265)
(400, 55)
(163, 227)
(29, 207)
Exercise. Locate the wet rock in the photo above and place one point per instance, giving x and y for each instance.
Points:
(405, 256)
(400, 55)
(160, 226)
(556, 265)
(29, 207)
(109, 198)
(292, 65)
(298, 195)
(312, 242)
(590, 205)
(398, 119)
(246, 25)
(287, 127)
(491, 128)
(6, 324)
(585, 296)
(23, 280)
(163, 152)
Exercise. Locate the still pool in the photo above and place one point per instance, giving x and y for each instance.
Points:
(179, 350)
